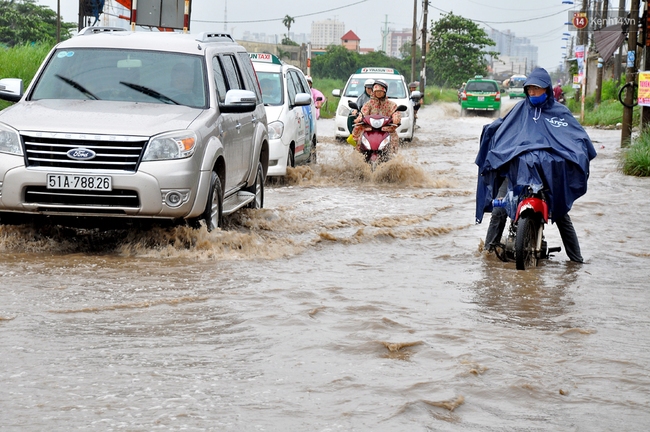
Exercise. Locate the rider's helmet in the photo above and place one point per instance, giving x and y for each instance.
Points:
(369, 83)
(379, 85)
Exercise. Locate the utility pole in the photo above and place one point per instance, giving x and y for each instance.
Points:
(384, 33)
(617, 65)
(601, 64)
(414, 39)
(630, 74)
(645, 110)
(423, 72)
(583, 39)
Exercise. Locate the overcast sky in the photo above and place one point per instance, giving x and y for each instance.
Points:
(541, 21)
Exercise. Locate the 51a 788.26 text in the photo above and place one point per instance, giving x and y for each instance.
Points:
(62, 181)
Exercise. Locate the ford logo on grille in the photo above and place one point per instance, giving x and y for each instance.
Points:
(81, 154)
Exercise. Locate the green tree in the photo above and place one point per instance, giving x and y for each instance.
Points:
(337, 63)
(456, 50)
(287, 21)
(23, 21)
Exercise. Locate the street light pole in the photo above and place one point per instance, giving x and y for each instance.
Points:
(423, 73)
(414, 39)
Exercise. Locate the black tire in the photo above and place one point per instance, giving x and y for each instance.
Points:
(313, 159)
(213, 214)
(291, 158)
(622, 93)
(257, 188)
(525, 243)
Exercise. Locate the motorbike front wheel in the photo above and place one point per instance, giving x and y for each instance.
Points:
(526, 242)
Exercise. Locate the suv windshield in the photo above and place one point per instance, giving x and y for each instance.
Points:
(481, 86)
(124, 75)
(396, 88)
(271, 84)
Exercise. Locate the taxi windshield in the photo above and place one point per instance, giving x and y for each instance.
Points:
(396, 88)
(271, 84)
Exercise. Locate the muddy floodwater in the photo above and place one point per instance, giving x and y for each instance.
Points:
(354, 301)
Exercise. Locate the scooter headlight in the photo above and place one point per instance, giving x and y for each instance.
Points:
(384, 143)
(365, 142)
(376, 123)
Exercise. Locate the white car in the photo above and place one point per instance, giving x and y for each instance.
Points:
(290, 113)
(397, 92)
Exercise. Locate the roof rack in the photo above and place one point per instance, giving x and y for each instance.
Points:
(95, 30)
(213, 37)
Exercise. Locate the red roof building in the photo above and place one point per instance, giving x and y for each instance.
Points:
(351, 41)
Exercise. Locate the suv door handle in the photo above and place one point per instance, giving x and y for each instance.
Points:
(238, 126)
(254, 119)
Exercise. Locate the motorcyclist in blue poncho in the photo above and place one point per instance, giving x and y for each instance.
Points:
(537, 142)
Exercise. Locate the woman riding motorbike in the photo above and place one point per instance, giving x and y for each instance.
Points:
(379, 104)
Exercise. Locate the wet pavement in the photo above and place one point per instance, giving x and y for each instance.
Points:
(354, 301)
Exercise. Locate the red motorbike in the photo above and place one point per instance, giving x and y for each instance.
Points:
(374, 142)
(528, 212)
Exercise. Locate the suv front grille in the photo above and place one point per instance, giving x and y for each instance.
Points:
(122, 154)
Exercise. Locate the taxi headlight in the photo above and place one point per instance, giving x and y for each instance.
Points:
(171, 145)
(342, 110)
(404, 114)
(276, 129)
(10, 140)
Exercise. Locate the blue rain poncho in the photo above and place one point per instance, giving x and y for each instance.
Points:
(535, 145)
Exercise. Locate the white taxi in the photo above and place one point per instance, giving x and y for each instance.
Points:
(397, 92)
(290, 113)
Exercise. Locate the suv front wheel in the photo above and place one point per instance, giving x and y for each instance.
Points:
(214, 206)
(257, 188)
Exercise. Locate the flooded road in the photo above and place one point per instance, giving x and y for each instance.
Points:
(355, 301)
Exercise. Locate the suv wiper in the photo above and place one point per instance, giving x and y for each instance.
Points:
(150, 92)
(77, 86)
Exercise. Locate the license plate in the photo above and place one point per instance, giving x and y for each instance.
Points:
(480, 98)
(79, 182)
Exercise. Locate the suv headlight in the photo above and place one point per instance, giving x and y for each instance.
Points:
(404, 114)
(171, 145)
(276, 129)
(10, 140)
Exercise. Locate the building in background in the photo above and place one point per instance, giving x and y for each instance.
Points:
(396, 39)
(351, 41)
(325, 33)
(516, 54)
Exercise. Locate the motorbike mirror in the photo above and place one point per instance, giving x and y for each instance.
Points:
(353, 105)
(401, 108)
(318, 99)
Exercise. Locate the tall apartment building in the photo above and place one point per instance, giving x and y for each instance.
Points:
(327, 32)
(395, 40)
(514, 50)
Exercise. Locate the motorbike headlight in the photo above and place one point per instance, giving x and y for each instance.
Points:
(10, 140)
(376, 123)
(384, 143)
(171, 145)
(276, 129)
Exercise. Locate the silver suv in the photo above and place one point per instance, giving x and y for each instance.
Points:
(119, 125)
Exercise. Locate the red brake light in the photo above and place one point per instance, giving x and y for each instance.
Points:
(497, 97)
(463, 96)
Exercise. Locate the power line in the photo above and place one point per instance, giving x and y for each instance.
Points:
(280, 19)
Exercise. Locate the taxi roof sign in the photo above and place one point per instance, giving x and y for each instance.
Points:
(377, 70)
(265, 58)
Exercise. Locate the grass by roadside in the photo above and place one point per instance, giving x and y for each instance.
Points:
(21, 62)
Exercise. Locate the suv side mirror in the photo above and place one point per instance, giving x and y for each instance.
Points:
(336, 92)
(239, 101)
(11, 89)
(302, 99)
